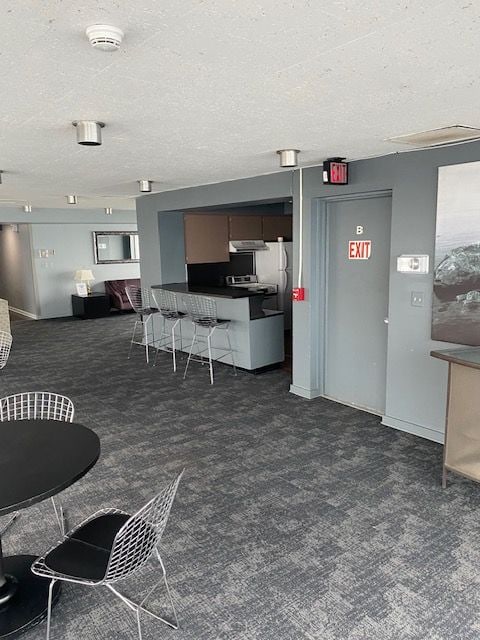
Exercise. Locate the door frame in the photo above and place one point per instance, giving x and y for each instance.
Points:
(321, 293)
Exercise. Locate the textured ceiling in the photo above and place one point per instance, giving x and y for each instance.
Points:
(205, 90)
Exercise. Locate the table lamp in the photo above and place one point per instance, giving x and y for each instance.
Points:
(85, 275)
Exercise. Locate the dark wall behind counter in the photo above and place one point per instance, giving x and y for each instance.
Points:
(213, 274)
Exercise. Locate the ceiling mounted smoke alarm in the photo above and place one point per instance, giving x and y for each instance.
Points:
(104, 37)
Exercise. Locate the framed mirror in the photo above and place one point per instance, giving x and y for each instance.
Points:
(113, 247)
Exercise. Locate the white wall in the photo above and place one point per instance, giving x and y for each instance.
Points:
(73, 246)
(16, 268)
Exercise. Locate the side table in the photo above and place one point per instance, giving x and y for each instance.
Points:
(95, 305)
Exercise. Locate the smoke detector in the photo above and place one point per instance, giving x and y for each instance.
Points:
(104, 37)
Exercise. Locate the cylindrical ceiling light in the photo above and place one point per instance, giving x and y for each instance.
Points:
(71, 199)
(89, 132)
(145, 186)
(108, 211)
(27, 208)
(288, 157)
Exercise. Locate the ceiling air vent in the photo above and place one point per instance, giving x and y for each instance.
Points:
(445, 135)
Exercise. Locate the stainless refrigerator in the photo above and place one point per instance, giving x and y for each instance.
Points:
(274, 265)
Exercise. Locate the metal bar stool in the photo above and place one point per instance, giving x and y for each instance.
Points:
(166, 301)
(202, 312)
(140, 300)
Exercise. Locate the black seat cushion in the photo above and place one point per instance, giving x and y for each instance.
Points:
(86, 552)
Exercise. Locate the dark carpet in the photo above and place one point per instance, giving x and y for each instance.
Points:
(295, 519)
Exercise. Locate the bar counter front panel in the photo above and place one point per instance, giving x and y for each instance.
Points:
(257, 334)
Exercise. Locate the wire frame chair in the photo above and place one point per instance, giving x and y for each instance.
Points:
(167, 304)
(37, 405)
(140, 299)
(203, 313)
(5, 346)
(202, 310)
(134, 544)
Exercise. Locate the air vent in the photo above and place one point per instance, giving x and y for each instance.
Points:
(445, 135)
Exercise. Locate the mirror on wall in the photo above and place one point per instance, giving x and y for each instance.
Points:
(112, 247)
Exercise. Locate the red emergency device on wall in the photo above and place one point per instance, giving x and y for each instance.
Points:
(298, 294)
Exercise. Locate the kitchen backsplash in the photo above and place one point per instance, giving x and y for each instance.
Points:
(213, 274)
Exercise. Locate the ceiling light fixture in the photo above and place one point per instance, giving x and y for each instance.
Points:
(89, 132)
(145, 186)
(104, 37)
(27, 208)
(71, 199)
(288, 157)
(108, 211)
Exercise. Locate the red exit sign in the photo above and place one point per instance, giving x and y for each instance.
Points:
(335, 171)
(359, 249)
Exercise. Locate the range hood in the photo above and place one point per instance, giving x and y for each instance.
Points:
(239, 246)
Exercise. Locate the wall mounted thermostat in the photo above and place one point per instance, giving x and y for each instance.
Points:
(413, 264)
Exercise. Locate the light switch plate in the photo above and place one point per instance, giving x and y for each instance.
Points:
(417, 298)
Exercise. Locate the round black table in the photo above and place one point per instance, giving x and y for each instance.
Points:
(38, 459)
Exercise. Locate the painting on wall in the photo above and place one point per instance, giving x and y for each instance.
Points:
(456, 285)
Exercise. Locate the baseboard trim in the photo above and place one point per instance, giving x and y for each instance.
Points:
(414, 429)
(309, 394)
(21, 312)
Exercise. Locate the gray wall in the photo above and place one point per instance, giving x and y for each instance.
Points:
(16, 269)
(72, 215)
(43, 287)
(416, 383)
(73, 246)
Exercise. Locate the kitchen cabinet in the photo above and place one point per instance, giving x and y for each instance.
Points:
(245, 227)
(277, 226)
(206, 238)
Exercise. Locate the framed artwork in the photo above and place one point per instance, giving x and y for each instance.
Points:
(456, 285)
(81, 288)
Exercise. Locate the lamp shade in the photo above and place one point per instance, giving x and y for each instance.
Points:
(84, 275)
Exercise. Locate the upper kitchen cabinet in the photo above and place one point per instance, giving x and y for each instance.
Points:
(206, 238)
(245, 227)
(277, 226)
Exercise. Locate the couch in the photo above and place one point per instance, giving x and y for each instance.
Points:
(116, 290)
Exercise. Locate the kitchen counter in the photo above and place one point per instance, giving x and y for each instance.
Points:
(253, 298)
(214, 292)
(257, 334)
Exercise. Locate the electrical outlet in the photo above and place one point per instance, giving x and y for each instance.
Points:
(417, 298)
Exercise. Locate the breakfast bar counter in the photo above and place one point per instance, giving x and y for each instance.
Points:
(257, 334)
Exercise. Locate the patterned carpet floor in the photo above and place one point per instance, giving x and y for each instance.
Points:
(295, 519)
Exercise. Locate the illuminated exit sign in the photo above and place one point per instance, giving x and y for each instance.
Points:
(359, 249)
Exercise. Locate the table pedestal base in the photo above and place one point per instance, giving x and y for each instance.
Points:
(24, 599)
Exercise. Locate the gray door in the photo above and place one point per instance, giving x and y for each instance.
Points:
(357, 301)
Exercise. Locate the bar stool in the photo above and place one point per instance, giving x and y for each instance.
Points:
(202, 312)
(166, 301)
(140, 300)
